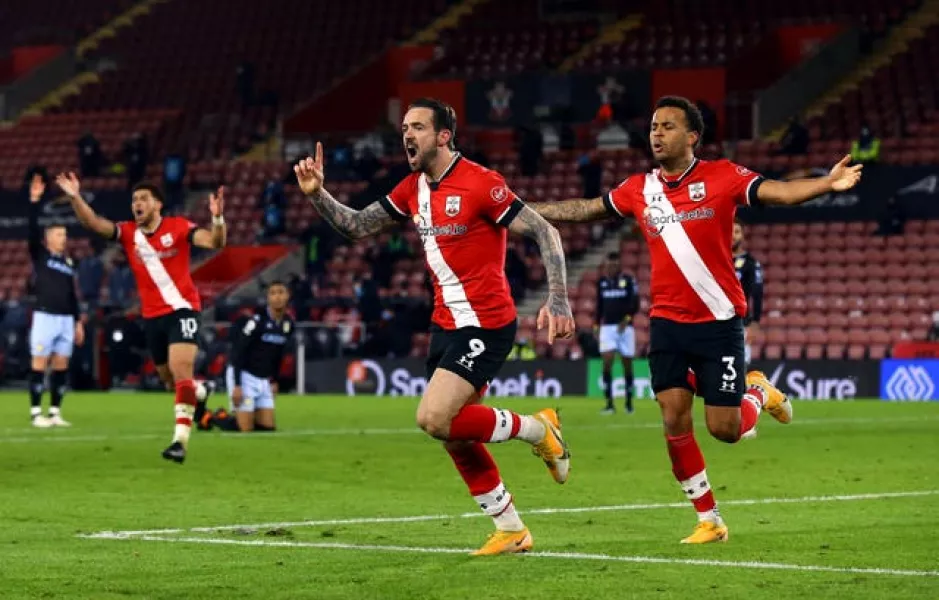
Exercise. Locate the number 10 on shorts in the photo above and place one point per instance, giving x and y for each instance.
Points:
(189, 327)
(729, 376)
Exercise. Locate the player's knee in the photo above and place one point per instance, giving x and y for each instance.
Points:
(676, 422)
(434, 424)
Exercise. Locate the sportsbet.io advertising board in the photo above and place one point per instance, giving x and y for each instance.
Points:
(406, 377)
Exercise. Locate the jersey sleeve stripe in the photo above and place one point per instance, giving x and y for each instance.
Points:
(610, 207)
(752, 188)
(392, 209)
(509, 214)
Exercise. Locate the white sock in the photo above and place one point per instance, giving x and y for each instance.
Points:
(54, 411)
(35, 411)
(183, 411)
(509, 520)
(530, 429)
(713, 516)
(497, 503)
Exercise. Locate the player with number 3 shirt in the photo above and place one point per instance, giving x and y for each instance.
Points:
(685, 209)
(158, 251)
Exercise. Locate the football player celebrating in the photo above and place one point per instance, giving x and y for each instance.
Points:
(686, 210)
(462, 212)
(158, 252)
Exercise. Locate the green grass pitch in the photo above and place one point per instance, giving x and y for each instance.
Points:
(843, 503)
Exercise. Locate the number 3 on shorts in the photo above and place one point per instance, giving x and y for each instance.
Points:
(730, 373)
(188, 326)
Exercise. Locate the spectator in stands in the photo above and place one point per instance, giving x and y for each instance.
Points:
(892, 219)
(15, 316)
(174, 173)
(523, 349)
(933, 335)
(120, 282)
(590, 170)
(90, 277)
(796, 139)
(136, 157)
(866, 148)
(90, 157)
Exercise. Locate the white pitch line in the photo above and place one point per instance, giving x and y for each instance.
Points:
(534, 511)
(557, 555)
(47, 436)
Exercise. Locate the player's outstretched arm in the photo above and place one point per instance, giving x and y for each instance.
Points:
(86, 216)
(841, 178)
(556, 313)
(578, 210)
(354, 224)
(214, 239)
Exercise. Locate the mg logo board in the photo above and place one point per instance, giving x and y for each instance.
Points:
(909, 380)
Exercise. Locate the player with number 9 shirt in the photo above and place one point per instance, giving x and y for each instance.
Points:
(158, 251)
(463, 211)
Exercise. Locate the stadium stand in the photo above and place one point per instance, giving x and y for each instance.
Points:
(174, 81)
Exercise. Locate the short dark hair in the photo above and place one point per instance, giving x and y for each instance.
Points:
(693, 116)
(154, 190)
(279, 282)
(444, 116)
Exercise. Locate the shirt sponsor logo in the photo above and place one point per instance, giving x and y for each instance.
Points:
(656, 219)
(438, 230)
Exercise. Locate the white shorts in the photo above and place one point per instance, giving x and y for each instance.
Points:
(52, 334)
(256, 392)
(611, 340)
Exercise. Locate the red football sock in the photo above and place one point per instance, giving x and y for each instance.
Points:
(479, 423)
(689, 470)
(479, 471)
(476, 466)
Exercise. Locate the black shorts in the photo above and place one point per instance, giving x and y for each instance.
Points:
(473, 353)
(713, 350)
(178, 327)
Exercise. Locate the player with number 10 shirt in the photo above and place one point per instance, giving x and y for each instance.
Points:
(158, 251)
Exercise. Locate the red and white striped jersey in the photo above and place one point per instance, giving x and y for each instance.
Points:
(160, 264)
(462, 220)
(688, 224)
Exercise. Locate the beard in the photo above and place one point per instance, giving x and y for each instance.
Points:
(735, 246)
